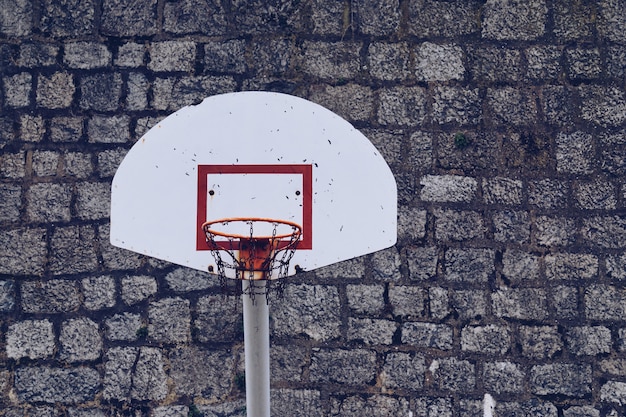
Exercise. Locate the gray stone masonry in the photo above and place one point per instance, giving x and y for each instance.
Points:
(503, 122)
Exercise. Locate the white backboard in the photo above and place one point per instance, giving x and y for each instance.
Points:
(254, 154)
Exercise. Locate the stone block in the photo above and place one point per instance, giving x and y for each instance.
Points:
(456, 105)
(236, 408)
(420, 153)
(582, 411)
(375, 406)
(448, 188)
(595, 195)
(366, 299)
(469, 265)
(389, 143)
(564, 299)
(68, 18)
(604, 302)
(80, 340)
(605, 231)
(613, 392)
(330, 60)
(98, 292)
(514, 20)
(85, 412)
(10, 202)
(616, 266)
(571, 266)
(432, 407)
(23, 251)
(284, 401)
(558, 105)
(55, 91)
(311, 310)
(614, 58)
(109, 161)
(138, 288)
(17, 89)
(453, 225)
(501, 190)
(288, 363)
(439, 62)
(201, 373)
(572, 21)
(583, 63)
(353, 367)
(469, 304)
(193, 16)
(45, 164)
(452, 374)
(613, 366)
(611, 20)
(186, 280)
(520, 303)
(137, 96)
(134, 373)
(328, 18)
(32, 129)
(544, 62)
(169, 56)
(352, 102)
(520, 266)
(540, 342)
(56, 385)
(77, 165)
(511, 106)
(480, 152)
(548, 193)
(512, 226)
(66, 129)
(7, 295)
(174, 93)
(555, 231)
(131, 55)
(407, 302)
(427, 335)
(492, 64)
(53, 296)
(533, 407)
(588, 340)
(129, 18)
(33, 339)
(226, 57)
(93, 200)
(73, 250)
(389, 61)
(371, 331)
(101, 92)
(272, 57)
(604, 106)
(386, 265)
(34, 55)
(379, 17)
(504, 377)
(171, 411)
(574, 153)
(570, 380)
(86, 55)
(613, 153)
(16, 18)
(169, 320)
(403, 371)
(437, 18)
(108, 129)
(491, 339)
(438, 303)
(402, 106)
(422, 262)
(262, 17)
(125, 327)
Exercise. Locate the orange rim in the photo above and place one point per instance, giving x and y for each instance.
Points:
(207, 227)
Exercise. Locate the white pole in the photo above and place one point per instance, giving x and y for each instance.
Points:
(256, 337)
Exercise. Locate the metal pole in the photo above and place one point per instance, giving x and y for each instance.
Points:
(256, 337)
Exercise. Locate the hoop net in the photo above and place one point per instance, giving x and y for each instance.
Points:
(263, 255)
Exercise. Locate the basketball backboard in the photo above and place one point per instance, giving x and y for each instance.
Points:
(254, 154)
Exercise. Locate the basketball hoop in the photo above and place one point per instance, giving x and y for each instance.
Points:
(254, 257)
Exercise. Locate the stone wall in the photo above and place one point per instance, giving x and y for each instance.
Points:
(503, 121)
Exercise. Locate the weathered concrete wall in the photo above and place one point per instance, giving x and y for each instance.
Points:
(503, 121)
